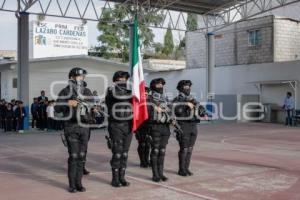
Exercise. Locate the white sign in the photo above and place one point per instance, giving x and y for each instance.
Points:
(51, 39)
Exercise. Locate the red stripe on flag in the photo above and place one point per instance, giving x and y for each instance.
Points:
(140, 111)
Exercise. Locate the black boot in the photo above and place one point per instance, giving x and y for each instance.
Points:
(72, 190)
(85, 171)
(161, 167)
(188, 160)
(72, 165)
(72, 187)
(161, 173)
(81, 189)
(143, 163)
(115, 178)
(182, 162)
(79, 174)
(122, 177)
(154, 165)
(79, 186)
(147, 155)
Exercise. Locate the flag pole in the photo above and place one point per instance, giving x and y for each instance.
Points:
(136, 7)
(130, 25)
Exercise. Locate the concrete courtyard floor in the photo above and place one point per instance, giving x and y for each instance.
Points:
(230, 161)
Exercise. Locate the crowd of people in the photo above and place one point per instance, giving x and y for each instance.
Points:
(12, 114)
(42, 112)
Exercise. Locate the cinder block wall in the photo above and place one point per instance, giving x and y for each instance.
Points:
(196, 53)
(280, 42)
(232, 46)
(287, 40)
(225, 46)
(262, 53)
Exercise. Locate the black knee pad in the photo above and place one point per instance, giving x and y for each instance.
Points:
(81, 156)
(155, 151)
(162, 151)
(117, 142)
(190, 149)
(184, 150)
(74, 156)
(117, 156)
(125, 155)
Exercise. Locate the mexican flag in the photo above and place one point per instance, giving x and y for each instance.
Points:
(140, 112)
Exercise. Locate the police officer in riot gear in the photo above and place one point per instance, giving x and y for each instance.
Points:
(76, 135)
(186, 108)
(85, 171)
(158, 128)
(71, 73)
(119, 105)
(144, 144)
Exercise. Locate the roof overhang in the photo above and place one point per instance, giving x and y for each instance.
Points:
(190, 6)
(86, 57)
(273, 82)
(7, 65)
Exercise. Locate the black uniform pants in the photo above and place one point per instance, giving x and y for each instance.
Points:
(121, 136)
(144, 145)
(8, 124)
(34, 121)
(20, 123)
(189, 136)
(42, 122)
(186, 142)
(3, 122)
(160, 134)
(77, 139)
(89, 137)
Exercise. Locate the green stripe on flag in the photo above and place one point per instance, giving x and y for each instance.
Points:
(135, 43)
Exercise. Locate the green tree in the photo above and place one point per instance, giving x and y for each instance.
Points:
(114, 37)
(192, 23)
(168, 42)
(158, 47)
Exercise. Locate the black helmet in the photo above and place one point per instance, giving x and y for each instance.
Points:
(183, 83)
(120, 74)
(156, 81)
(77, 71)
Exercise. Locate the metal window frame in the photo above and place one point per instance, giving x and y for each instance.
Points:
(257, 42)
